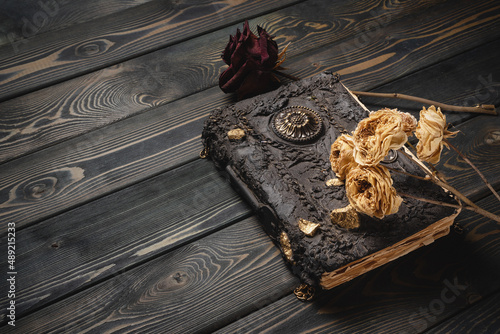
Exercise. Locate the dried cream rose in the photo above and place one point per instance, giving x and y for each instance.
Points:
(380, 132)
(431, 131)
(409, 123)
(341, 156)
(370, 191)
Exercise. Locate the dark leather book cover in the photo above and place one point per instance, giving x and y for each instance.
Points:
(275, 148)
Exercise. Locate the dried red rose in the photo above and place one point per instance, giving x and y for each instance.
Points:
(251, 60)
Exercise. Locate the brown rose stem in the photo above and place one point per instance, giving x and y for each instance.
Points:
(434, 178)
(456, 206)
(431, 175)
(470, 205)
(475, 209)
(454, 191)
(406, 173)
(439, 182)
(473, 167)
(483, 108)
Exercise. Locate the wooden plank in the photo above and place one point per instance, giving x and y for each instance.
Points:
(83, 273)
(54, 57)
(107, 236)
(168, 135)
(483, 317)
(87, 271)
(77, 106)
(479, 141)
(147, 311)
(84, 168)
(468, 79)
(25, 19)
(399, 49)
(409, 295)
(199, 287)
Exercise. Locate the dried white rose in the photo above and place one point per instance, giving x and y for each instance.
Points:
(382, 131)
(341, 156)
(431, 130)
(370, 191)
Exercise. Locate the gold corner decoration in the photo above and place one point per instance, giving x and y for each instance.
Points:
(307, 227)
(346, 217)
(285, 246)
(236, 134)
(304, 292)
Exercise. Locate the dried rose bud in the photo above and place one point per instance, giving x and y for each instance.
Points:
(341, 156)
(431, 131)
(380, 132)
(251, 60)
(370, 191)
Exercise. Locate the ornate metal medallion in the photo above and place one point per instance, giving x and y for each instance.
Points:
(297, 124)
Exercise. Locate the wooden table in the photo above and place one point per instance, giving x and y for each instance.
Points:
(121, 227)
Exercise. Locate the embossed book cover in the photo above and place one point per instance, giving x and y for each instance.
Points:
(276, 149)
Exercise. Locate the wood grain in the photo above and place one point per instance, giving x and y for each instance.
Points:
(479, 141)
(405, 296)
(103, 172)
(91, 237)
(60, 177)
(109, 159)
(401, 48)
(96, 44)
(87, 270)
(90, 166)
(467, 79)
(199, 287)
(61, 111)
(100, 239)
(26, 19)
(66, 110)
(483, 317)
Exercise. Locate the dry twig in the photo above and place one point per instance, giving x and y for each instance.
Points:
(483, 108)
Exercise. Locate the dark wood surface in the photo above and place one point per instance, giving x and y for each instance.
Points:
(121, 227)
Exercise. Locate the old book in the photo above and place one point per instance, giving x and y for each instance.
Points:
(275, 149)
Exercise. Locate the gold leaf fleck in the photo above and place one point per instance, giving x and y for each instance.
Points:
(285, 246)
(236, 134)
(346, 217)
(334, 182)
(309, 228)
